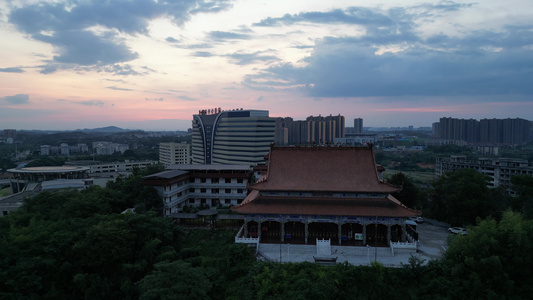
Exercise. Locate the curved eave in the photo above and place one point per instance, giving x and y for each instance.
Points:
(366, 207)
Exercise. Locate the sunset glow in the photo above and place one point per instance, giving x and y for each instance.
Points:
(151, 65)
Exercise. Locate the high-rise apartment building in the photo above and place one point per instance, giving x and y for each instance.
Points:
(231, 137)
(357, 125)
(174, 154)
(314, 130)
(486, 131)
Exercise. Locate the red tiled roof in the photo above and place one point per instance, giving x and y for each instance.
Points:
(383, 207)
(342, 169)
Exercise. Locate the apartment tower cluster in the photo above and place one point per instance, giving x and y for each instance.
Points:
(485, 131)
(313, 130)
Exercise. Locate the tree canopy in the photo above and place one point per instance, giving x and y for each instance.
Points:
(410, 194)
(460, 197)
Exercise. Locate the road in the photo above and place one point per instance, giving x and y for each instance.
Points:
(433, 239)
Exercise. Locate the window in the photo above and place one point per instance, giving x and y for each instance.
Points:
(214, 180)
(228, 191)
(228, 180)
(239, 180)
(191, 201)
(202, 180)
(191, 190)
(240, 191)
(227, 201)
(202, 190)
(214, 191)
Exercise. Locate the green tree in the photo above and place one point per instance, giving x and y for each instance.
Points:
(494, 261)
(175, 280)
(523, 186)
(410, 194)
(460, 197)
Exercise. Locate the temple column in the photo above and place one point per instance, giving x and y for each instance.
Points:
(388, 233)
(364, 234)
(306, 234)
(282, 231)
(245, 229)
(259, 230)
(340, 233)
(404, 233)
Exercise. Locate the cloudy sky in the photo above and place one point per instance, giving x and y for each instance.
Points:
(152, 64)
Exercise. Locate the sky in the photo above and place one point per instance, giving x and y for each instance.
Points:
(152, 64)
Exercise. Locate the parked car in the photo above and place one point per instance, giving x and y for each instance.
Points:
(417, 219)
(457, 230)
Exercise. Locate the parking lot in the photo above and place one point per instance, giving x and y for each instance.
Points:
(433, 239)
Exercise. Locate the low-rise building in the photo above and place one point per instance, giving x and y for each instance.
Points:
(208, 186)
(499, 170)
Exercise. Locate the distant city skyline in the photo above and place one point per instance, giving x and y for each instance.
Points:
(151, 65)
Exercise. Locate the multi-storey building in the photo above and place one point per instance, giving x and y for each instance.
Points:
(200, 186)
(108, 148)
(174, 154)
(314, 130)
(231, 137)
(63, 149)
(124, 167)
(357, 125)
(499, 170)
(10, 135)
(486, 131)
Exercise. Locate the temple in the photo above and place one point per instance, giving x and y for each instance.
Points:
(314, 193)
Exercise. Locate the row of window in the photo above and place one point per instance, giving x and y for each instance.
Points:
(216, 180)
(215, 191)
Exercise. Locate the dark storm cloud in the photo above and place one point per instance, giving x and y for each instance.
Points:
(11, 70)
(85, 48)
(393, 59)
(348, 70)
(16, 99)
(66, 26)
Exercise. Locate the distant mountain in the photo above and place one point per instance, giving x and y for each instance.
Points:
(108, 129)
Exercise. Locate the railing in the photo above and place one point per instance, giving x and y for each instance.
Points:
(403, 245)
(239, 238)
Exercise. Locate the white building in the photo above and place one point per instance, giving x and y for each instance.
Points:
(200, 186)
(174, 154)
(108, 148)
(499, 170)
(231, 137)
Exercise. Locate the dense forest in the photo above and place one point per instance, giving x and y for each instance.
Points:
(70, 244)
(77, 245)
